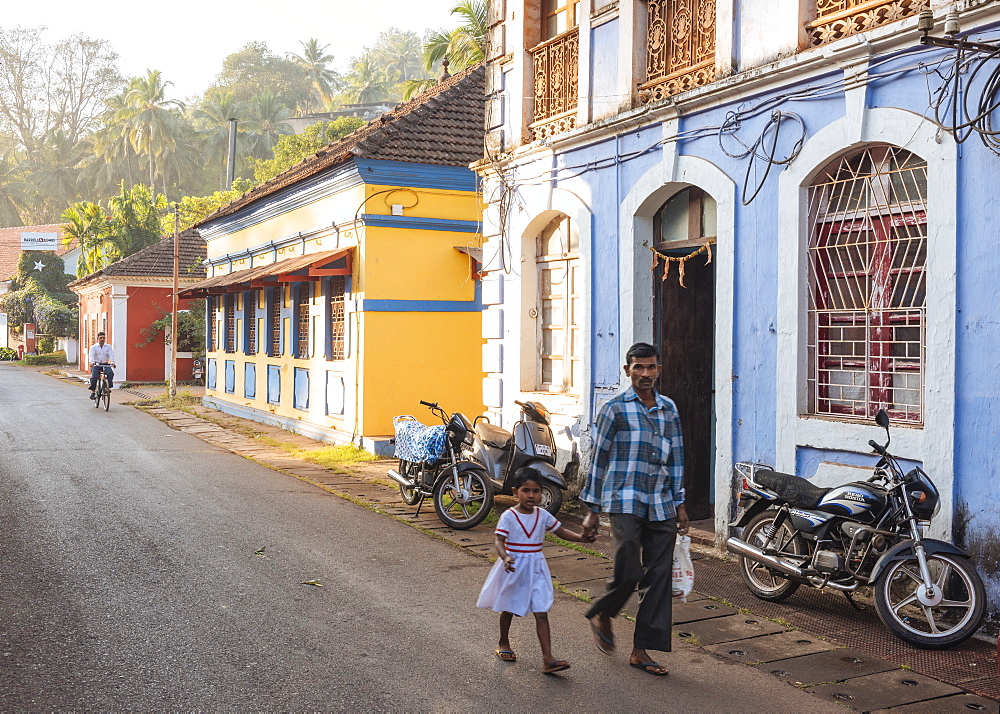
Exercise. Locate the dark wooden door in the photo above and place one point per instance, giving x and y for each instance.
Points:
(685, 334)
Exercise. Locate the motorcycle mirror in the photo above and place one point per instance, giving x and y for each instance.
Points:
(882, 419)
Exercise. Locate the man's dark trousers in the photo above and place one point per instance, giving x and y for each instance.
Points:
(95, 372)
(644, 558)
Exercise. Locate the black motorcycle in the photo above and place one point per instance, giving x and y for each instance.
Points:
(461, 489)
(502, 452)
(863, 533)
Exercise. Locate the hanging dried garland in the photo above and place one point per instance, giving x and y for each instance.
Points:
(668, 259)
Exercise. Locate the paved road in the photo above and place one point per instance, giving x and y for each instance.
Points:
(129, 580)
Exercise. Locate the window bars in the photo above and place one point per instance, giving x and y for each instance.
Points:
(277, 298)
(229, 311)
(250, 315)
(213, 341)
(680, 47)
(302, 318)
(835, 19)
(338, 285)
(867, 292)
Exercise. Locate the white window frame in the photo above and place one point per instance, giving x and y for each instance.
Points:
(567, 363)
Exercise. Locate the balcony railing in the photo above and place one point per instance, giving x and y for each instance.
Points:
(680, 47)
(556, 65)
(842, 18)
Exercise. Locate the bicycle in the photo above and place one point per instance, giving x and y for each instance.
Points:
(102, 391)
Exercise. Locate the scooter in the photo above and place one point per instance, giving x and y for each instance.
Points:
(198, 373)
(531, 444)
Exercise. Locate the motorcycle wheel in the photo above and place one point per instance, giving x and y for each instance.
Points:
(552, 498)
(467, 507)
(955, 619)
(410, 496)
(763, 582)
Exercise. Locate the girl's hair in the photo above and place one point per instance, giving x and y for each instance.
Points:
(526, 473)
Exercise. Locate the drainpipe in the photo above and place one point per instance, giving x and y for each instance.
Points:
(231, 166)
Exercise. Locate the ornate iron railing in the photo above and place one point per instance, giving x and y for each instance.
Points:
(556, 65)
(842, 18)
(680, 47)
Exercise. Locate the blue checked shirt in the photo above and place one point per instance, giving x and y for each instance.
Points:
(638, 464)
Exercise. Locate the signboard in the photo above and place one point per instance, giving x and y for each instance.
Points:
(39, 241)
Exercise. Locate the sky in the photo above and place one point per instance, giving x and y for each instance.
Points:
(188, 39)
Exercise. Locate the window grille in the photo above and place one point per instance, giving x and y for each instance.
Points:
(302, 318)
(560, 367)
(213, 340)
(250, 315)
(867, 291)
(229, 307)
(680, 47)
(276, 321)
(835, 19)
(338, 322)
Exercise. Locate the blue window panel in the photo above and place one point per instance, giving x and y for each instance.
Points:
(273, 384)
(213, 368)
(249, 380)
(334, 393)
(230, 376)
(300, 399)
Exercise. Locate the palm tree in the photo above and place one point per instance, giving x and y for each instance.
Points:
(14, 192)
(366, 83)
(315, 63)
(267, 122)
(149, 116)
(135, 218)
(211, 120)
(87, 226)
(465, 45)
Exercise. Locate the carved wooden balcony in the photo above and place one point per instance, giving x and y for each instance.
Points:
(680, 47)
(842, 18)
(556, 65)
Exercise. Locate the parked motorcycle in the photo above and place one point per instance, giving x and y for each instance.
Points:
(862, 533)
(531, 444)
(198, 373)
(431, 465)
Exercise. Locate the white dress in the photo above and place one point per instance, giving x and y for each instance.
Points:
(529, 587)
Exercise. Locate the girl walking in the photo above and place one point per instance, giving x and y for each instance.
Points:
(520, 582)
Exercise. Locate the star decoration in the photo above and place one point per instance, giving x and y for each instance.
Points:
(39, 265)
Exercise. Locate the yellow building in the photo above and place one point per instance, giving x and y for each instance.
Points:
(345, 290)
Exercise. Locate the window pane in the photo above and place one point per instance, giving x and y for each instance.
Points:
(674, 218)
(709, 218)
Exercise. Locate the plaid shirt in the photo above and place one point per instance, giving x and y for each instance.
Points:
(638, 464)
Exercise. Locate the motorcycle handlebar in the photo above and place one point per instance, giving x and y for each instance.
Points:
(520, 404)
(879, 449)
(428, 404)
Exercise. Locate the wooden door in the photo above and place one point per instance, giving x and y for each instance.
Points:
(685, 335)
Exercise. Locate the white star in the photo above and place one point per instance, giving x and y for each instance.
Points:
(39, 265)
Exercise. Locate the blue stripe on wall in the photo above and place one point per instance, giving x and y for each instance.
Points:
(414, 175)
(421, 306)
(420, 223)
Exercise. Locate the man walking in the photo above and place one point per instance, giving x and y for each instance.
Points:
(637, 478)
(100, 356)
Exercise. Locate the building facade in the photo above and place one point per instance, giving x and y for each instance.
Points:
(344, 291)
(778, 195)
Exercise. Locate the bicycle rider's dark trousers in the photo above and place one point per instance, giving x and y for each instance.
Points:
(95, 373)
(644, 558)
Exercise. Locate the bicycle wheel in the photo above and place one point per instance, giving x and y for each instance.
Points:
(98, 391)
(107, 396)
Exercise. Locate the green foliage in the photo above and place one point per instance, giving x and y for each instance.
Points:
(466, 44)
(254, 68)
(7, 354)
(41, 296)
(291, 149)
(50, 358)
(190, 328)
(46, 344)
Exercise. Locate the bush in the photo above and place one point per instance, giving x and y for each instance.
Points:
(7, 353)
(46, 345)
(50, 358)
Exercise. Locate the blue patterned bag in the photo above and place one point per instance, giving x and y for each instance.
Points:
(417, 442)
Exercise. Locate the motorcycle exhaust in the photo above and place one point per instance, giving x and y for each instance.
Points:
(735, 545)
(400, 479)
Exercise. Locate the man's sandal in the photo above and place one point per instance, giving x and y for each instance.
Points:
(654, 668)
(604, 643)
(506, 655)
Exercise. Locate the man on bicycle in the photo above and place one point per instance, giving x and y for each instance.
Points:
(101, 357)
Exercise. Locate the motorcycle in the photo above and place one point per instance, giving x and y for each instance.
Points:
(502, 453)
(865, 533)
(431, 465)
(198, 373)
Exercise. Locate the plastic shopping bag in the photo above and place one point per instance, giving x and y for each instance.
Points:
(683, 579)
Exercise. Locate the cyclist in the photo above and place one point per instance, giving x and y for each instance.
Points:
(101, 356)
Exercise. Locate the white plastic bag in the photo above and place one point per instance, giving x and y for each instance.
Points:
(683, 579)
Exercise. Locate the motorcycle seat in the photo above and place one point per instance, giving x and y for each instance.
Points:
(796, 491)
(492, 435)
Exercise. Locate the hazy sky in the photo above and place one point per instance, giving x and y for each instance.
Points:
(188, 39)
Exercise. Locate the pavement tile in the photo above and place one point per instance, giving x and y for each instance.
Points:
(470, 538)
(832, 666)
(726, 629)
(700, 610)
(958, 703)
(779, 646)
(568, 571)
(884, 690)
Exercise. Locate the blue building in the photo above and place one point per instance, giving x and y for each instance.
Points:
(773, 191)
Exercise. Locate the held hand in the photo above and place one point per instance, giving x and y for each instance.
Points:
(591, 525)
(683, 523)
(508, 563)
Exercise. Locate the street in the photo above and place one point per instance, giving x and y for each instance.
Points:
(145, 569)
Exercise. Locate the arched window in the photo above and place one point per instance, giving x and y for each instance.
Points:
(557, 261)
(867, 290)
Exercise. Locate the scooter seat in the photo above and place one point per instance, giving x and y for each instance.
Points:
(492, 435)
(796, 491)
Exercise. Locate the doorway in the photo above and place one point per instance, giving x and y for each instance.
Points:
(684, 322)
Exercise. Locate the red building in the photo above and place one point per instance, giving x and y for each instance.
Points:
(124, 299)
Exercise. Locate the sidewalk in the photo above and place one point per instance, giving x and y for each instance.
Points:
(850, 658)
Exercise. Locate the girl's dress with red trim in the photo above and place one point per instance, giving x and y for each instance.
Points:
(529, 587)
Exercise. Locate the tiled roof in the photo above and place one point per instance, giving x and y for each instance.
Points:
(157, 261)
(10, 245)
(443, 126)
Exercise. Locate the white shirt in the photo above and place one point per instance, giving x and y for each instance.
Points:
(101, 354)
